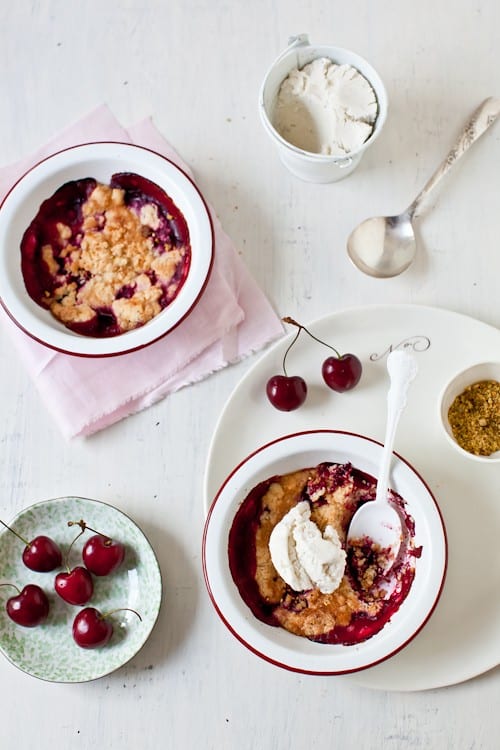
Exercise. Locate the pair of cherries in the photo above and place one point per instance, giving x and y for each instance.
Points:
(341, 372)
(101, 556)
(31, 607)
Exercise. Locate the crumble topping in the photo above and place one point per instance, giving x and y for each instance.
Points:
(307, 613)
(149, 216)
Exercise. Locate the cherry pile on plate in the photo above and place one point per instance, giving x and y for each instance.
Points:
(341, 372)
(101, 556)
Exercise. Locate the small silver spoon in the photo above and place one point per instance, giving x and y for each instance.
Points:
(385, 245)
(377, 522)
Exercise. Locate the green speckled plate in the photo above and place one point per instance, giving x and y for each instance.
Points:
(48, 651)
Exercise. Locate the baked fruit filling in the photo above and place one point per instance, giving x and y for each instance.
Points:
(368, 595)
(105, 259)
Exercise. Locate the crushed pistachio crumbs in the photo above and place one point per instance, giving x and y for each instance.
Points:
(474, 418)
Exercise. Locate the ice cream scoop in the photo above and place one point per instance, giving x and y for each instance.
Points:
(303, 556)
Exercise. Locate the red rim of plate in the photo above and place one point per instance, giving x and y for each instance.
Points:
(195, 301)
(287, 666)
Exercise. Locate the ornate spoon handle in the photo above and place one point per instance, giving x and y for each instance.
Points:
(484, 116)
(402, 369)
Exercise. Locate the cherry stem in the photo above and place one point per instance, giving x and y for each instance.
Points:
(293, 322)
(121, 609)
(85, 527)
(289, 347)
(82, 526)
(13, 586)
(15, 533)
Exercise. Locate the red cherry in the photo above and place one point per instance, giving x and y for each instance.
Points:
(75, 586)
(91, 629)
(342, 373)
(29, 608)
(42, 555)
(285, 392)
(102, 555)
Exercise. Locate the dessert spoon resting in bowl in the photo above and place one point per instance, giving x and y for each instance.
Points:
(377, 524)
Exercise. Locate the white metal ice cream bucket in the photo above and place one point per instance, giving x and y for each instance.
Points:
(304, 164)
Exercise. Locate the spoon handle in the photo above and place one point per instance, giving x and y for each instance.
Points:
(484, 116)
(402, 368)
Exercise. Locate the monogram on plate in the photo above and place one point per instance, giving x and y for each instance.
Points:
(415, 343)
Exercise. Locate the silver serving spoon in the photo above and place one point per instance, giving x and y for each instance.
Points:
(377, 522)
(385, 245)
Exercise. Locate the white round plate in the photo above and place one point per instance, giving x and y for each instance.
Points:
(275, 644)
(462, 638)
(101, 161)
(49, 651)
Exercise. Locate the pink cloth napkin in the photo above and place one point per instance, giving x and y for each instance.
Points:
(232, 319)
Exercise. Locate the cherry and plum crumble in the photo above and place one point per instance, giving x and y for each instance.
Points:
(368, 595)
(105, 259)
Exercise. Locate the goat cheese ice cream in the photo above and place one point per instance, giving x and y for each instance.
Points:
(303, 556)
(325, 108)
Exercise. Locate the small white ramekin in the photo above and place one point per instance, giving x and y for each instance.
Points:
(458, 383)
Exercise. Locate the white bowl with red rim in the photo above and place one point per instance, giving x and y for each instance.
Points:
(276, 645)
(100, 161)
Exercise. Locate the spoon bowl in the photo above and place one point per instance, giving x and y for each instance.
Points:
(378, 524)
(385, 246)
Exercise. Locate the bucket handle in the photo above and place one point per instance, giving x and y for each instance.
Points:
(300, 40)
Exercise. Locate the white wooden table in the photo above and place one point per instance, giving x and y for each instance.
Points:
(197, 67)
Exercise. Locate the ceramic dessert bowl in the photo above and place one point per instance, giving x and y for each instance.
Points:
(475, 422)
(277, 645)
(99, 161)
